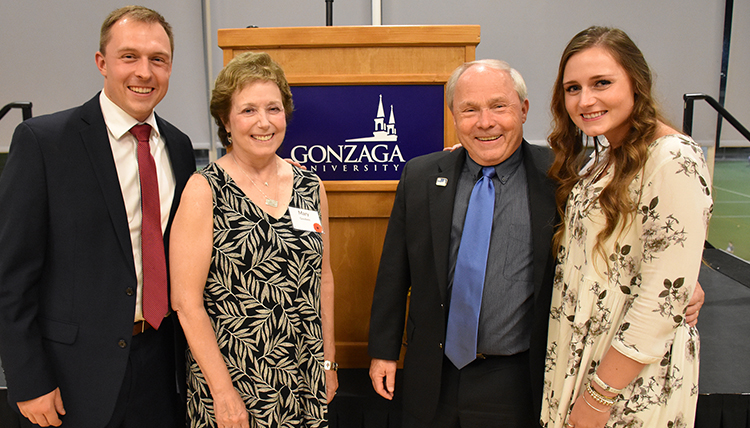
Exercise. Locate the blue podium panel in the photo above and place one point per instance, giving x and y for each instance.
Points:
(363, 132)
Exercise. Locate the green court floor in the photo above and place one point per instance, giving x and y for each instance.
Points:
(731, 217)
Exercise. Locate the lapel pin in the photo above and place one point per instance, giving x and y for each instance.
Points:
(441, 181)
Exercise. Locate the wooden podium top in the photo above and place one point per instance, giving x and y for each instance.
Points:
(423, 35)
(359, 54)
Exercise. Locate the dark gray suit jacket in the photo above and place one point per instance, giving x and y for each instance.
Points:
(67, 277)
(415, 256)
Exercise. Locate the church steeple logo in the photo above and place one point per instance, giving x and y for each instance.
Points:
(383, 131)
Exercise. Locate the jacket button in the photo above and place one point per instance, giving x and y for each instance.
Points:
(129, 291)
(440, 345)
(122, 344)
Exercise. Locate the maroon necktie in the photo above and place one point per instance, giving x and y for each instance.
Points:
(152, 240)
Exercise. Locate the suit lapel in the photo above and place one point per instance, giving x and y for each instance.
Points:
(96, 142)
(176, 162)
(542, 207)
(441, 199)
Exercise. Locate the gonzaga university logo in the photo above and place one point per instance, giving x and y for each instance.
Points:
(350, 133)
(376, 153)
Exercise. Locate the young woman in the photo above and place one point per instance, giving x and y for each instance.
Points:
(635, 215)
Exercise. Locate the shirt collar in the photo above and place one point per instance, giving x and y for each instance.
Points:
(503, 170)
(118, 121)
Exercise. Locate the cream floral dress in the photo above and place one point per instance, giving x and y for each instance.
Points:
(635, 300)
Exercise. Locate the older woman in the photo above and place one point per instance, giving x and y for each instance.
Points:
(620, 352)
(250, 271)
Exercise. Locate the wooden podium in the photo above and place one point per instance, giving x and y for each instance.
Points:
(359, 210)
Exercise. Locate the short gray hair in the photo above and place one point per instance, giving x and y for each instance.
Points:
(518, 83)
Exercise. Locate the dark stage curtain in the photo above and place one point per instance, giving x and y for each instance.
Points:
(723, 411)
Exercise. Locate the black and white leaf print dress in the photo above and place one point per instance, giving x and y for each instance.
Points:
(635, 299)
(263, 298)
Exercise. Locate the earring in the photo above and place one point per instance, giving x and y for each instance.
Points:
(229, 138)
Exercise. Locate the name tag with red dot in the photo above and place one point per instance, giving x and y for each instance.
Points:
(307, 220)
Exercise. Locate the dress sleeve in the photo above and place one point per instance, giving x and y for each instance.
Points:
(673, 210)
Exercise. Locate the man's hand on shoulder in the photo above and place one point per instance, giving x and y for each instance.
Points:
(45, 410)
(452, 148)
(694, 305)
(383, 376)
(297, 164)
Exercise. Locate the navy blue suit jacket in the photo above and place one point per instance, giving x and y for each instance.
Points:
(67, 277)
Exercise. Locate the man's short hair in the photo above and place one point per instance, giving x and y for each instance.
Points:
(518, 83)
(137, 13)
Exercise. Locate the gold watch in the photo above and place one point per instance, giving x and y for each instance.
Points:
(330, 365)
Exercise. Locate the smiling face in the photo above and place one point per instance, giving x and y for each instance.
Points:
(488, 114)
(136, 66)
(256, 121)
(599, 95)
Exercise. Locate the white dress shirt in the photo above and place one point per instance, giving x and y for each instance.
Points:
(124, 149)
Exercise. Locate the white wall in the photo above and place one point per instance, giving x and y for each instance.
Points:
(47, 57)
(47, 48)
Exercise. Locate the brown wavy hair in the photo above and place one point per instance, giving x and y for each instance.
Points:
(242, 70)
(567, 141)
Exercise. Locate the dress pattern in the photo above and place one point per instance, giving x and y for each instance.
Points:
(263, 298)
(634, 297)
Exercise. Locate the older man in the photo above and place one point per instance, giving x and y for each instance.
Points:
(86, 198)
(483, 369)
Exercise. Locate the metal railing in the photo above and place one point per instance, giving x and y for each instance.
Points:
(687, 115)
(25, 107)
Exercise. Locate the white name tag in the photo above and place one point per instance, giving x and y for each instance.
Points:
(307, 220)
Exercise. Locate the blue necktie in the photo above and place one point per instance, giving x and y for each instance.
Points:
(468, 278)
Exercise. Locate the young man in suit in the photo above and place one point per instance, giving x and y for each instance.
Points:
(86, 199)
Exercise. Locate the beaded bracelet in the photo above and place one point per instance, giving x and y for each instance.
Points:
(601, 399)
(591, 405)
(606, 386)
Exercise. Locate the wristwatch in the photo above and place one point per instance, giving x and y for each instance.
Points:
(330, 365)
